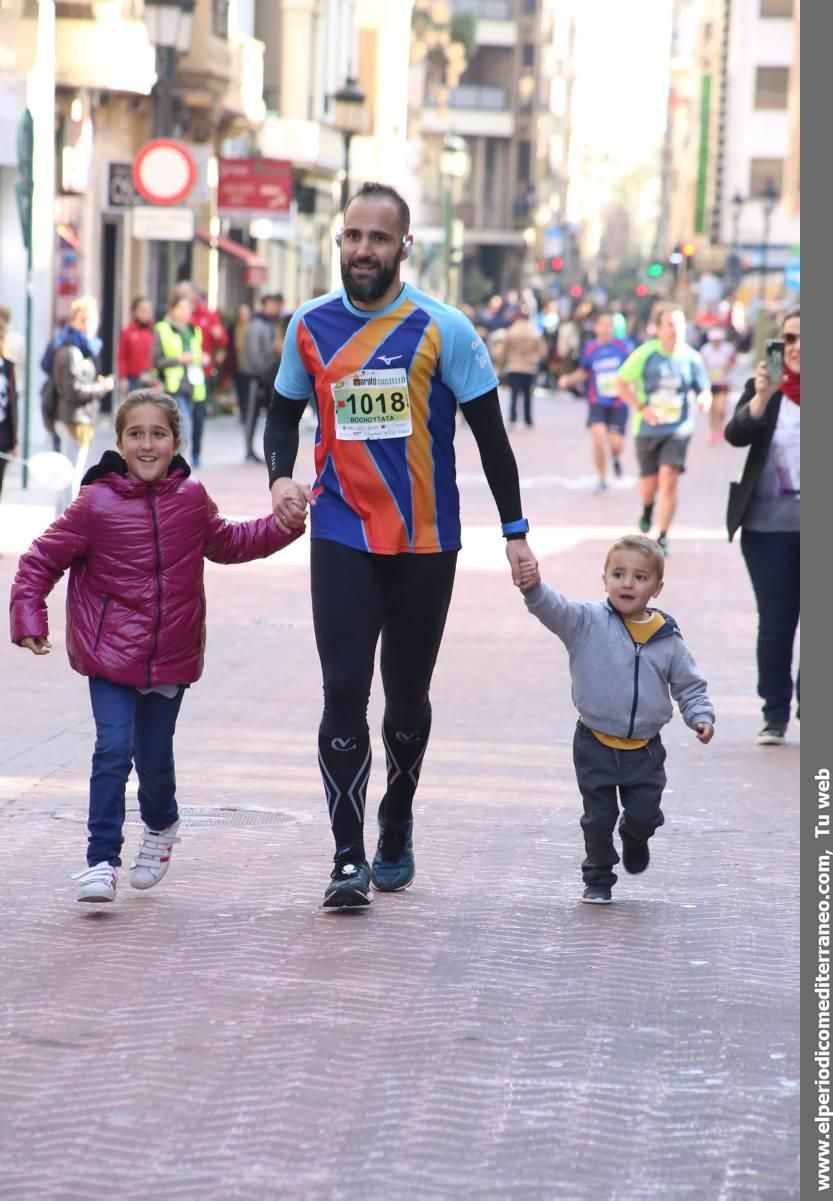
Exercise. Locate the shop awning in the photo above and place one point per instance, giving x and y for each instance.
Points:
(227, 246)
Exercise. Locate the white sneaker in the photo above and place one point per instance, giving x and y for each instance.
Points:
(98, 883)
(153, 857)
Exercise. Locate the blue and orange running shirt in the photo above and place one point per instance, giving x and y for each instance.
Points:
(387, 385)
(601, 361)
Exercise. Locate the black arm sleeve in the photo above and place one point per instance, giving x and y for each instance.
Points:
(280, 438)
(486, 421)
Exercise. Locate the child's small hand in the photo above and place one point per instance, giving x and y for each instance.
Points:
(704, 731)
(38, 646)
(530, 577)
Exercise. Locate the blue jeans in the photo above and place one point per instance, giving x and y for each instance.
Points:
(130, 728)
(186, 424)
(773, 561)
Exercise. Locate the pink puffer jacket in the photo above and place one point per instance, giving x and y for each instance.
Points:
(135, 551)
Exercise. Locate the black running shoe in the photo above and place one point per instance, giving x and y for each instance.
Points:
(644, 522)
(597, 894)
(635, 859)
(349, 886)
(393, 863)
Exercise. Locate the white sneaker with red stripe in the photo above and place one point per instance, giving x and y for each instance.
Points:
(153, 857)
(98, 883)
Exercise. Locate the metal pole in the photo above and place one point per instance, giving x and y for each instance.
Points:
(447, 240)
(27, 391)
(764, 249)
(163, 125)
(345, 183)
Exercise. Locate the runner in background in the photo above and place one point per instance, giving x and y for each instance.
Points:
(607, 413)
(719, 355)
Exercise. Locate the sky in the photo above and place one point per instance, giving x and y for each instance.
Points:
(621, 84)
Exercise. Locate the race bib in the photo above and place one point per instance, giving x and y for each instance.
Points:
(606, 384)
(372, 404)
(667, 404)
(196, 375)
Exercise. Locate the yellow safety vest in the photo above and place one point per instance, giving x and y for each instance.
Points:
(172, 347)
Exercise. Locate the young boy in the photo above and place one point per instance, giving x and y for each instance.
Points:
(626, 662)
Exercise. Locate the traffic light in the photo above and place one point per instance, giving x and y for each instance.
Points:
(577, 291)
(654, 270)
(641, 289)
(557, 263)
(689, 250)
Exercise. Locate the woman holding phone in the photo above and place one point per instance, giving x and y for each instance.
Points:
(766, 506)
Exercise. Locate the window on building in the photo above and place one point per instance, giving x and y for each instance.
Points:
(763, 171)
(528, 55)
(776, 8)
(219, 18)
(771, 87)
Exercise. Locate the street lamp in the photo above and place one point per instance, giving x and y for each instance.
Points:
(454, 165)
(737, 207)
(170, 25)
(769, 196)
(350, 117)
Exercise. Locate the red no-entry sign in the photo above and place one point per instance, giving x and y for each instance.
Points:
(164, 172)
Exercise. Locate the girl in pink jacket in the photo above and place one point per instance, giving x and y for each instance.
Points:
(134, 542)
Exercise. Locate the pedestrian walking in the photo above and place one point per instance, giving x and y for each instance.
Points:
(236, 361)
(719, 355)
(627, 660)
(261, 352)
(389, 366)
(179, 360)
(8, 409)
(134, 543)
(135, 354)
(523, 352)
(607, 414)
(766, 507)
(657, 381)
(78, 386)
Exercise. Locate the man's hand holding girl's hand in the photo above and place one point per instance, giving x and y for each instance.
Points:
(289, 504)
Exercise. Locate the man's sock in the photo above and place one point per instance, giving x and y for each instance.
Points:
(344, 760)
(648, 512)
(404, 749)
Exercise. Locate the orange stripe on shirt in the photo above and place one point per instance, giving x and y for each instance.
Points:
(420, 458)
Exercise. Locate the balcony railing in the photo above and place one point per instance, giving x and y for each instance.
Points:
(485, 10)
(491, 97)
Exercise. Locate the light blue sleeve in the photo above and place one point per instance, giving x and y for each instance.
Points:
(293, 380)
(465, 365)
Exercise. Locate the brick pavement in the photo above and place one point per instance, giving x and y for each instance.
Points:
(483, 1036)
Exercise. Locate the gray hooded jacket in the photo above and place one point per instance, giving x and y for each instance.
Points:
(620, 687)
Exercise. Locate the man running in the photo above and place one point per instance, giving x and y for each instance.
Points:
(607, 414)
(388, 366)
(657, 380)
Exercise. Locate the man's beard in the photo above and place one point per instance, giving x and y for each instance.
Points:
(372, 288)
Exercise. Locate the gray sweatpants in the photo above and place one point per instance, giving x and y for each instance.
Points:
(640, 778)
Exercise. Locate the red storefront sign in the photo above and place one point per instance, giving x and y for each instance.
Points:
(254, 187)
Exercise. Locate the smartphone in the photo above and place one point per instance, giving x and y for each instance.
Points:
(774, 359)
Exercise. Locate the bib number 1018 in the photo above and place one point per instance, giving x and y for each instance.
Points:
(366, 403)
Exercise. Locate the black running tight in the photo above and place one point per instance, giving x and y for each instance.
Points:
(356, 597)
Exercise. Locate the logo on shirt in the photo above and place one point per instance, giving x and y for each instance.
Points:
(387, 359)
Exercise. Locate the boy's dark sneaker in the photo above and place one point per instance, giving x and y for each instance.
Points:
(772, 734)
(393, 863)
(349, 886)
(597, 894)
(635, 859)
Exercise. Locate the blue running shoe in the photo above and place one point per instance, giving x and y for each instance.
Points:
(349, 886)
(393, 863)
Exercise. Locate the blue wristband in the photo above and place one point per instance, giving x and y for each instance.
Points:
(521, 526)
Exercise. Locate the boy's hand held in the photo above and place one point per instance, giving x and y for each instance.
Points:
(38, 646)
(704, 731)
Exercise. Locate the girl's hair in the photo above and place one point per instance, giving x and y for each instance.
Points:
(645, 546)
(148, 396)
(789, 315)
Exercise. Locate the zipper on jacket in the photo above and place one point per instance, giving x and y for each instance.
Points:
(101, 622)
(158, 581)
(637, 647)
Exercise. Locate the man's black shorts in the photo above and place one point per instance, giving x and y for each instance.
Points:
(615, 417)
(664, 451)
